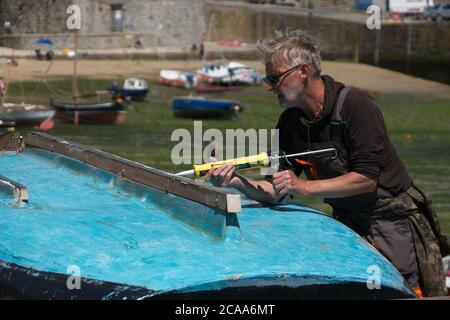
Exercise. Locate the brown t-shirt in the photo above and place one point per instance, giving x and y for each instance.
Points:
(371, 153)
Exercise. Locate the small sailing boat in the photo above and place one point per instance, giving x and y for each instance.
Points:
(87, 111)
(27, 115)
(23, 114)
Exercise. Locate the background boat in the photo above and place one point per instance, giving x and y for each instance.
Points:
(27, 115)
(132, 88)
(86, 112)
(201, 107)
(22, 114)
(228, 73)
(95, 110)
(446, 263)
(176, 78)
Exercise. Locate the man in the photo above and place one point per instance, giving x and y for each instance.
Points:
(367, 184)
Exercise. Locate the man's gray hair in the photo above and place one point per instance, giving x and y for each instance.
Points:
(290, 48)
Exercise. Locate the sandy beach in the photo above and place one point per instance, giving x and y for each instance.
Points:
(384, 81)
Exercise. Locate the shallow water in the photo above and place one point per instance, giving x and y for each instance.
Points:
(74, 218)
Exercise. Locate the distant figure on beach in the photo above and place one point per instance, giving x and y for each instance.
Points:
(194, 50)
(138, 44)
(49, 55)
(39, 55)
(201, 52)
(13, 62)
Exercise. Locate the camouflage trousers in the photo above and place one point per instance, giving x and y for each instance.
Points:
(406, 231)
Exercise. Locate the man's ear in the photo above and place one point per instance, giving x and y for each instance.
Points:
(305, 70)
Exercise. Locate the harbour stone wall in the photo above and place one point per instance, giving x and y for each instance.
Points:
(162, 23)
(181, 23)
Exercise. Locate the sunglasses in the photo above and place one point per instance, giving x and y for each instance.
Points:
(273, 80)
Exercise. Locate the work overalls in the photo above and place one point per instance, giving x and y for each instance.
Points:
(403, 227)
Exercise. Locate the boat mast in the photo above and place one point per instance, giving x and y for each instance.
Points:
(6, 80)
(74, 75)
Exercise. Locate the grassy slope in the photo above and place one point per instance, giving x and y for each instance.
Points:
(145, 137)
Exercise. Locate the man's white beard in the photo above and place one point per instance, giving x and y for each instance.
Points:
(297, 102)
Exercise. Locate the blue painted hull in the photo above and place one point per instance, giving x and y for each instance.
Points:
(362, 4)
(192, 107)
(132, 241)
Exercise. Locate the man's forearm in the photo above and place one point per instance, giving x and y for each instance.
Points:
(259, 190)
(347, 185)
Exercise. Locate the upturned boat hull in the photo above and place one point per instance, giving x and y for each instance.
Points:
(97, 226)
(198, 107)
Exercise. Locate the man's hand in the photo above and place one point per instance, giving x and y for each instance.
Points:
(286, 182)
(223, 176)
